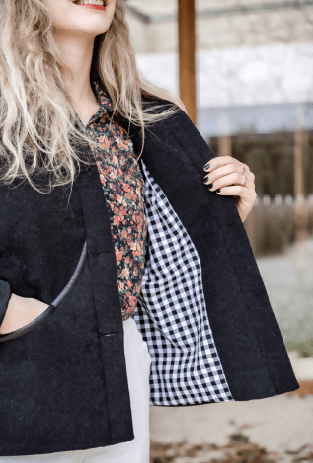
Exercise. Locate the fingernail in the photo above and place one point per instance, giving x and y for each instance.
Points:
(207, 166)
(205, 179)
(218, 191)
(210, 186)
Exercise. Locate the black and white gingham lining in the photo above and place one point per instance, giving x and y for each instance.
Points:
(171, 313)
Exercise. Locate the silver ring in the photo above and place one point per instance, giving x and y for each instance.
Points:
(244, 182)
(243, 169)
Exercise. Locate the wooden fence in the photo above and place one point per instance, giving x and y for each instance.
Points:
(276, 222)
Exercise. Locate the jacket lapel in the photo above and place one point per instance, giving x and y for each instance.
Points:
(244, 327)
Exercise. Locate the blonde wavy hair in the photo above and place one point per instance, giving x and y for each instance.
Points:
(36, 113)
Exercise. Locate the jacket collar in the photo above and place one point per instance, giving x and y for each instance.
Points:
(106, 105)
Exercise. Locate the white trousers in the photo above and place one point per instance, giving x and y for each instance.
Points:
(136, 451)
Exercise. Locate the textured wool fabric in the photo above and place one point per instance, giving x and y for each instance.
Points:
(135, 451)
(70, 369)
(63, 385)
(58, 394)
(245, 330)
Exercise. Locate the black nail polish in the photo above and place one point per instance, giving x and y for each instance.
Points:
(218, 191)
(207, 166)
(210, 186)
(205, 179)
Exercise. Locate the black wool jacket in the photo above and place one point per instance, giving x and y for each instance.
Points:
(203, 310)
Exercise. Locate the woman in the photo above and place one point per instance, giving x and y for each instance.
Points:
(89, 233)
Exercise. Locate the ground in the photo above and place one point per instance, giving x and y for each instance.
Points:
(276, 429)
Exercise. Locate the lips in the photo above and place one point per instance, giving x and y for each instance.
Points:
(94, 7)
(101, 4)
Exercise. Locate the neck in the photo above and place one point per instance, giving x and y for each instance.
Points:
(76, 52)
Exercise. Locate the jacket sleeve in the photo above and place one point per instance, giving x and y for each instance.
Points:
(5, 295)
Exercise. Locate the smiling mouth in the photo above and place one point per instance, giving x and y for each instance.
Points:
(91, 2)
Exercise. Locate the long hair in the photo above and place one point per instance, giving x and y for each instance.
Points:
(38, 123)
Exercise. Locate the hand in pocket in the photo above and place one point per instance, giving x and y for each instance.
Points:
(20, 312)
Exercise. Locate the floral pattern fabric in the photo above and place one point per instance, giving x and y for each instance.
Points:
(123, 186)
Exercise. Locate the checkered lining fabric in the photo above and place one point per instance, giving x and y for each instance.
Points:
(171, 313)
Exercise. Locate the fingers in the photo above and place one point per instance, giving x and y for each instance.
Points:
(221, 161)
(226, 170)
(227, 180)
(225, 175)
(245, 194)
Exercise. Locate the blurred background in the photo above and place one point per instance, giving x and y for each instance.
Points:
(244, 70)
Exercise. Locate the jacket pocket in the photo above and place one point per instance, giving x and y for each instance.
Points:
(52, 307)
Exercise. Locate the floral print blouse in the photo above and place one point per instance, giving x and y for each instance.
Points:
(123, 187)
